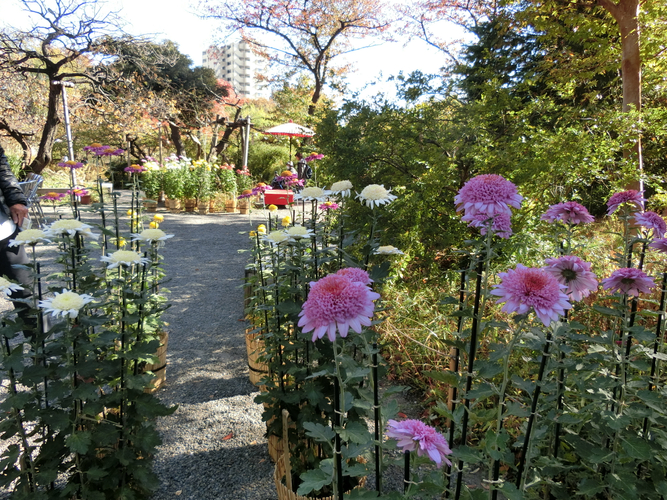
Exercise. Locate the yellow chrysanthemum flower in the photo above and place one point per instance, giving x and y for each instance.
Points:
(287, 220)
(158, 218)
(272, 208)
(153, 225)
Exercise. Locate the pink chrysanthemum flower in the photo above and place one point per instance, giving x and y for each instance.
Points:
(575, 274)
(489, 194)
(52, 196)
(569, 212)
(524, 288)
(329, 205)
(78, 192)
(414, 435)
(660, 245)
(135, 169)
(629, 280)
(631, 196)
(336, 302)
(72, 164)
(355, 274)
(651, 220)
(501, 225)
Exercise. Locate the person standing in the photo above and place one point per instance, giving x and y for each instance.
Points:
(13, 211)
(302, 169)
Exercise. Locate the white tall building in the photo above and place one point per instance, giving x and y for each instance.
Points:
(237, 64)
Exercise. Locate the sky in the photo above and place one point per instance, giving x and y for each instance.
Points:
(174, 20)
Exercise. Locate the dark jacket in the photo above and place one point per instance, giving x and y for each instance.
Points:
(10, 191)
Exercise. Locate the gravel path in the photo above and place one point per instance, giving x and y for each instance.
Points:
(213, 445)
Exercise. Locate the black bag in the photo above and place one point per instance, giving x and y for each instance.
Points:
(307, 172)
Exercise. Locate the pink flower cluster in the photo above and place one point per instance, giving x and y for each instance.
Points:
(524, 288)
(243, 171)
(135, 169)
(630, 281)
(630, 196)
(501, 225)
(414, 435)
(71, 164)
(313, 157)
(652, 221)
(261, 189)
(78, 192)
(53, 196)
(569, 212)
(575, 274)
(486, 201)
(338, 302)
(101, 150)
(329, 205)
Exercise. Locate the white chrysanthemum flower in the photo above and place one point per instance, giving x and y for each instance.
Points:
(276, 237)
(7, 287)
(29, 237)
(65, 304)
(151, 236)
(375, 195)
(387, 250)
(70, 227)
(124, 258)
(312, 193)
(343, 188)
(298, 232)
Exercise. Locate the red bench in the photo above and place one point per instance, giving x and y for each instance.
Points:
(278, 197)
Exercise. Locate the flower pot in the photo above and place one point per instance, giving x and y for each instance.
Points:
(255, 348)
(159, 368)
(244, 206)
(285, 493)
(86, 199)
(150, 206)
(173, 205)
(230, 205)
(203, 207)
(190, 204)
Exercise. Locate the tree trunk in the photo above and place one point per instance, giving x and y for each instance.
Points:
(317, 92)
(229, 128)
(20, 138)
(175, 133)
(626, 14)
(45, 151)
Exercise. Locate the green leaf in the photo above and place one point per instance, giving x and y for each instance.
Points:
(355, 432)
(96, 473)
(589, 487)
(488, 370)
(78, 441)
(607, 311)
(445, 377)
(661, 488)
(511, 491)
(313, 480)
(319, 432)
(637, 447)
(466, 454)
(481, 392)
(289, 307)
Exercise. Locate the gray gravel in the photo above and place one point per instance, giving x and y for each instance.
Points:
(213, 445)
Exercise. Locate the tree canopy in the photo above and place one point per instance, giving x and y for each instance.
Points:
(302, 36)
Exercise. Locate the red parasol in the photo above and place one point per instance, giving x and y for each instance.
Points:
(290, 129)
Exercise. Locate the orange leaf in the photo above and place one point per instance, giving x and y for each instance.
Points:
(228, 436)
